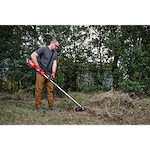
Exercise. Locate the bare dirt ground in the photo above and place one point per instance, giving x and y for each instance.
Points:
(109, 108)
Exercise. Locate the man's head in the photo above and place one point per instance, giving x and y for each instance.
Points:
(54, 44)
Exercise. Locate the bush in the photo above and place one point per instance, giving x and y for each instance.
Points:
(132, 86)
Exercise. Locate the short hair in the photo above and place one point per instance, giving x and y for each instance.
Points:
(55, 40)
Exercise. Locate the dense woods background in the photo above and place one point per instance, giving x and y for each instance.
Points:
(91, 58)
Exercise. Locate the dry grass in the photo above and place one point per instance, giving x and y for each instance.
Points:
(110, 108)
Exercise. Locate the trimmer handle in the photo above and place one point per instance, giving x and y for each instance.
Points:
(31, 64)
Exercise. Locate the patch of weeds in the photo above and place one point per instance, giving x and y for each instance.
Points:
(114, 115)
(16, 96)
(67, 102)
(6, 98)
(78, 96)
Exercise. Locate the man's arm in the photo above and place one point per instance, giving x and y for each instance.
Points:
(54, 67)
(34, 56)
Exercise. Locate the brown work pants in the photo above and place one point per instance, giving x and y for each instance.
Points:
(40, 81)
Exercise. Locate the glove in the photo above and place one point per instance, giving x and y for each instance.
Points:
(38, 69)
(53, 75)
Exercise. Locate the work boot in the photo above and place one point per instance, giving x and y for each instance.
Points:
(54, 108)
(40, 110)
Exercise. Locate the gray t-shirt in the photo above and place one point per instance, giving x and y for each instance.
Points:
(45, 55)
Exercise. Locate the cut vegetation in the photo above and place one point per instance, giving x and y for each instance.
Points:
(110, 108)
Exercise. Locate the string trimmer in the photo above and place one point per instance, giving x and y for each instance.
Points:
(32, 65)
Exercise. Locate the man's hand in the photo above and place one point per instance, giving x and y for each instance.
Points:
(38, 69)
(53, 75)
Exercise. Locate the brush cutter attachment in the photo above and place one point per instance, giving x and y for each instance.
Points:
(79, 109)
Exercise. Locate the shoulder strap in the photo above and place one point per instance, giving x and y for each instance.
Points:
(49, 60)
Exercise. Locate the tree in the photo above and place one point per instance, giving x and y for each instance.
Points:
(128, 45)
(123, 51)
(14, 46)
(114, 44)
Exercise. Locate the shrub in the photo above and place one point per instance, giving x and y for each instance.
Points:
(132, 86)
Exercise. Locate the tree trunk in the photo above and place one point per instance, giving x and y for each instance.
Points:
(114, 72)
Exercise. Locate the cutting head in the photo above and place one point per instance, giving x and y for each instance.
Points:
(79, 109)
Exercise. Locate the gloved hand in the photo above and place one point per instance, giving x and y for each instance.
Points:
(53, 75)
(38, 69)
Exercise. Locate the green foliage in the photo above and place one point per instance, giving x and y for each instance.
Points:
(132, 86)
(129, 49)
(92, 50)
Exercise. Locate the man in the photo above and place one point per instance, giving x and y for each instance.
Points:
(48, 64)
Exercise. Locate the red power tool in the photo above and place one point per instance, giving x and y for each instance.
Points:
(32, 65)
